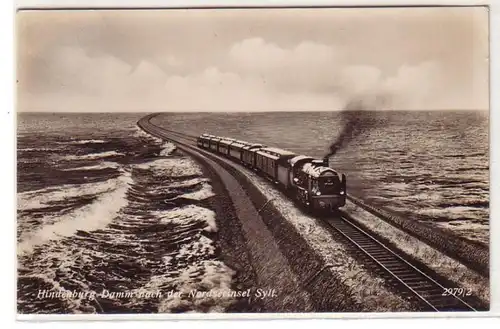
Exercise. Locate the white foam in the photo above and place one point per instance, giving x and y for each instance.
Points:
(39, 198)
(201, 246)
(210, 276)
(168, 148)
(455, 212)
(139, 133)
(92, 156)
(189, 214)
(187, 269)
(104, 165)
(204, 193)
(36, 149)
(478, 228)
(73, 302)
(172, 167)
(84, 141)
(88, 218)
(189, 182)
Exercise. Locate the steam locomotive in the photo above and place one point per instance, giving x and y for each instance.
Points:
(311, 182)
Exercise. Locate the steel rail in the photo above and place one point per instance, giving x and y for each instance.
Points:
(414, 280)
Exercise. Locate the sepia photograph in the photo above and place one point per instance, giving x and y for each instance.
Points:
(321, 160)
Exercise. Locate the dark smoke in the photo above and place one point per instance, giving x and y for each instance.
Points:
(357, 119)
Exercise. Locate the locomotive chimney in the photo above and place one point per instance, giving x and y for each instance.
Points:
(326, 161)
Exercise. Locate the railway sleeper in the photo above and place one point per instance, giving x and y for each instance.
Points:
(391, 262)
(355, 235)
(421, 287)
(431, 293)
(398, 266)
(398, 272)
(416, 284)
(369, 247)
(381, 254)
(382, 258)
(411, 278)
(372, 247)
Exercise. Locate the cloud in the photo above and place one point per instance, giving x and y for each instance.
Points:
(81, 82)
(416, 87)
(303, 67)
(281, 60)
(323, 70)
(256, 54)
(256, 75)
(214, 90)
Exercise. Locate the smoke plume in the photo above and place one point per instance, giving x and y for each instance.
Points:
(357, 119)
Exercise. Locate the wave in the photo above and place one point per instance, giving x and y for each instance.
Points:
(92, 156)
(188, 215)
(473, 203)
(84, 141)
(179, 167)
(209, 280)
(104, 165)
(188, 183)
(139, 133)
(125, 234)
(473, 169)
(191, 267)
(204, 193)
(88, 218)
(452, 213)
(37, 149)
(168, 148)
(465, 155)
(42, 198)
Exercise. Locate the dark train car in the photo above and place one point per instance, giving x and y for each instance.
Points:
(224, 145)
(203, 141)
(274, 162)
(236, 149)
(214, 143)
(248, 154)
(266, 163)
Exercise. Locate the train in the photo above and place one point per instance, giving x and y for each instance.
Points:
(309, 181)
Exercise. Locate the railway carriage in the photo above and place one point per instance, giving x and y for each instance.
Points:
(214, 143)
(224, 145)
(204, 140)
(266, 163)
(236, 149)
(248, 154)
(274, 162)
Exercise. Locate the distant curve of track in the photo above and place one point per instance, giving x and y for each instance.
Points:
(404, 276)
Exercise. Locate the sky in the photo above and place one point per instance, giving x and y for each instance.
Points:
(252, 59)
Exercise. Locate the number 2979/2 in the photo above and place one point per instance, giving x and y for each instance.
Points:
(458, 292)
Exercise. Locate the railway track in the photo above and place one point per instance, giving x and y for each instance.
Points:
(398, 272)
